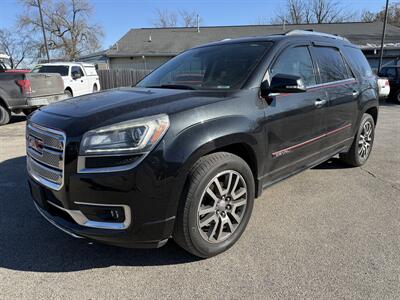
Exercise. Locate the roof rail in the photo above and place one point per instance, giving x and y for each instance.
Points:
(312, 32)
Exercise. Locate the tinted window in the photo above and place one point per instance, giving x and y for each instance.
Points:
(358, 62)
(295, 61)
(77, 70)
(62, 70)
(389, 72)
(331, 64)
(224, 66)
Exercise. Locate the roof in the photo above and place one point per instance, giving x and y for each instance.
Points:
(171, 41)
(69, 64)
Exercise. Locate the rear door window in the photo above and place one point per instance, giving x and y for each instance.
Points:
(331, 64)
(295, 61)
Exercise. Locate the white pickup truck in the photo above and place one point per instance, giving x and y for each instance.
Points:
(79, 78)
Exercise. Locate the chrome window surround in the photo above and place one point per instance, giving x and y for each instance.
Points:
(50, 136)
(82, 220)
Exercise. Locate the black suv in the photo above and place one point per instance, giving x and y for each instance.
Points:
(185, 152)
(393, 74)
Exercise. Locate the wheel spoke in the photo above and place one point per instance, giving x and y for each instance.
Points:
(220, 230)
(219, 187)
(204, 211)
(212, 195)
(211, 232)
(228, 185)
(238, 203)
(230, 225)
(239, 194)
(207, 220)
(235, 216)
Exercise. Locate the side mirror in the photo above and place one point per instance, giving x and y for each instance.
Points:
(76, 75)
(283, 83)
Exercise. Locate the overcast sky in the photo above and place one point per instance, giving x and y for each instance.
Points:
(118, 16)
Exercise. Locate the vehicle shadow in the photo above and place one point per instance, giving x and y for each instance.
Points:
(332, 163)
(29, 243)
(17, 119)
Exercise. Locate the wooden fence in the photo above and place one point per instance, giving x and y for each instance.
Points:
(110, 79)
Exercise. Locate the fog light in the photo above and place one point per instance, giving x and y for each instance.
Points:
(112, 214)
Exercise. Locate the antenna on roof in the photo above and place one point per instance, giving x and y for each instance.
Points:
(198, 23)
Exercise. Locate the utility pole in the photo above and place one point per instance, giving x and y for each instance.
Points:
(44, 33)
(383, 36)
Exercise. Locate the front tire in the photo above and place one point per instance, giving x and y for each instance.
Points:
(362, 144)
(216, 205)
(68, 93)
(397, 97)
(5, 115)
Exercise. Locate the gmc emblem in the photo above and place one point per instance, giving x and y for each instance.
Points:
(35, 144)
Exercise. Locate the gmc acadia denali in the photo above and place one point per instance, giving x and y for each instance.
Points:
(185, 152)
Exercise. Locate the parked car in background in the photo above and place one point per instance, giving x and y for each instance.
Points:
(185, 152)
(384, 87)
(393, 74)
(21, 91)
(79, 78)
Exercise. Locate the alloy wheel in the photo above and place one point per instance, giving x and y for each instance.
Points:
(365, 141)
(222, 206)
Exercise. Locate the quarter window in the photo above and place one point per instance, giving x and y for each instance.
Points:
(295, 61)
(357, 61)
(331, 64)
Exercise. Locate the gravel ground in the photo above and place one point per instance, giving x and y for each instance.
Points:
(329, 232)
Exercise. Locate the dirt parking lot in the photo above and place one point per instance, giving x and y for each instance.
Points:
(329, 232)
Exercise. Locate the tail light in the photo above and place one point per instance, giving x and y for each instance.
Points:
(25, 86)
(386, 82)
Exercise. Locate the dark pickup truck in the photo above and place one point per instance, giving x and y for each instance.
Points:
(21, 91)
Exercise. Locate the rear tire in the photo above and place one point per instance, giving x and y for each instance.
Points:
(362, 144)
(5, 115)
(95, 88)
(68, 93)
(397, 97)
(212, 216)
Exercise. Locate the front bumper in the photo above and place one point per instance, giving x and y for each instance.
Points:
(137, 233)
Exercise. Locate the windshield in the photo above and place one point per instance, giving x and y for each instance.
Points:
(213, 67)
(62, 70)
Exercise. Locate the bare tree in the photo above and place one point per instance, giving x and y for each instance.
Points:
(312, 11)
(190, 18)
(393, 15)
(165, 19)
(18, 47)
(66, 22)
(367, 16)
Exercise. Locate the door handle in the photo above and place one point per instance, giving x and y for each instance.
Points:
(320, 102)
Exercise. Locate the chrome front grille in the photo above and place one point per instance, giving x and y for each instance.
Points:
(45, 149)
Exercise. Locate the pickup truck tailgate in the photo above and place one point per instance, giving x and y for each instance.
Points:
(44, 84)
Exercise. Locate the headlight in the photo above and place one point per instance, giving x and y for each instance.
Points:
(136, 136)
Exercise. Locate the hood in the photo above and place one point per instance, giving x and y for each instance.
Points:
(118, 105)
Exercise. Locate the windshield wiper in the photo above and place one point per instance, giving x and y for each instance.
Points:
(172, 86)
